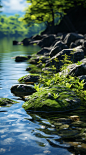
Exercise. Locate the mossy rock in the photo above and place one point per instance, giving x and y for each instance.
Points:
(45, 100)
(29, 79)
(34, 69)
(6, 102)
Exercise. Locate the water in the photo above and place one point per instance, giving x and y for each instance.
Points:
(20, 132)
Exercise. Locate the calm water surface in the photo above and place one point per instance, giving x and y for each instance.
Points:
(23, 133)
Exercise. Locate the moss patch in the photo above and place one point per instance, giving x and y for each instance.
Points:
(29, 78)
(6, 102)
(59, 99)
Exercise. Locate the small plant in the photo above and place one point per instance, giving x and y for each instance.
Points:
(79, 63)
(55, 96)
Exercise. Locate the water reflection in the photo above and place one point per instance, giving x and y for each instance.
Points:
(20, 132)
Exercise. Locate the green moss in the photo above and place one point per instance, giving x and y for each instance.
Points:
(6, 102)
(24, 79)
(44, 100)
(35, 69)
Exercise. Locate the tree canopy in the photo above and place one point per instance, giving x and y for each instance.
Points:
(48, 10)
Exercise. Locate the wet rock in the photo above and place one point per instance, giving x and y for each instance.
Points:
(26, 41)
(74, 118)
(29, 78)
(79, 124)
(42, 102)
(22, 58)
(68, 134)
(15, 42)
(22, 90)
(63, 120)
(6, 102)
(64, 126)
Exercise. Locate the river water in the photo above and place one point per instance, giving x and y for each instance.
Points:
(23, 133)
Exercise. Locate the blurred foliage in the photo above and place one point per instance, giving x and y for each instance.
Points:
(14, 27)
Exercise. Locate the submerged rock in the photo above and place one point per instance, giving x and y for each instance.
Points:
(22, 90)
(59, 99)
(6, 102)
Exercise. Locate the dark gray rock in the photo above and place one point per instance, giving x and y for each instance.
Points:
(22, 58)
(47, 41)
(79, 42)
(75, 55)
(29, 78)
(22, 90)
(37, 37)
(44, 51)
(26, 41)
(73, 45)
(72, 37)
(59, 46)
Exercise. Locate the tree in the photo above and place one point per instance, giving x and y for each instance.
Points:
(43, 11)
(48, 10)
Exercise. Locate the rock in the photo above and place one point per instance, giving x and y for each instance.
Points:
(22, 58)
(44, 51)
(78, 70)
(72, 37)
(59, 46)
(47, 41)
(43, 102)
(73, 45)
(26, 41)
(15, 42)
(82, 77)
(22, 90)
(75, 54)
(79, 42)
(65, 126)
(29, 78)
(6, 102)
(74, 118)
(68, 134)
(37, 37)
(38, 59)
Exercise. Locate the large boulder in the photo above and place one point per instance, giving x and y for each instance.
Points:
(79, 70)
(22, 90)
(44, 100)
(72, 37)
(44, 51)
(59, 46)
(75, 55)
(76, 69)
(26, 41)
(47, 41)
